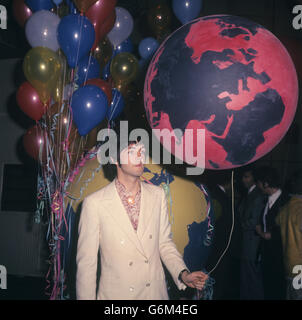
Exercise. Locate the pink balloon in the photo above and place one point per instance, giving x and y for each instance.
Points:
(21, 12)
(29, 102)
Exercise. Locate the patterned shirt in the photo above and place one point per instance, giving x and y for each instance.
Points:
(132, 209)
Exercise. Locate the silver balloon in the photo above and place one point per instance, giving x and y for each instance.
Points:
(122, 28)
(41, 30)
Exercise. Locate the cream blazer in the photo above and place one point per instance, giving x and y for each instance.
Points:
(131, 262)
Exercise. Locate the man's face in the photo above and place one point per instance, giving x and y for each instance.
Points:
(132, 159)
(263, 187)
(248, 179)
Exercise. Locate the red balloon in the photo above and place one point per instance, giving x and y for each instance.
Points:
(105, 86)
(29, 102)
(107, 25)
(33, 139)
(98, 14)
(21, 12)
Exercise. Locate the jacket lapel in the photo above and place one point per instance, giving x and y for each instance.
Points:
(146, 209)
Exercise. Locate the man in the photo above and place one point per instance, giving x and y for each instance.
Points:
(250, 210)
(271, 245)
(290, 221)
(127, 222)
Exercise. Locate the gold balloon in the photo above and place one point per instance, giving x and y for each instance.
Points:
(103, 52)
(42, 68)
(124, 68)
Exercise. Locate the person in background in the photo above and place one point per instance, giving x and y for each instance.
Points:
(290, 221)
(250, 210)
(270, 249)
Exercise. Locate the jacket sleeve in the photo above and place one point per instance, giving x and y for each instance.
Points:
(168, 251)
(255, 215)
(87, 252)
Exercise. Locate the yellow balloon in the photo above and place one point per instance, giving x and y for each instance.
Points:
(42, 68)
(124, 68)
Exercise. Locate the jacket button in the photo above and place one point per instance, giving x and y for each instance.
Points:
(150, 236)
(122, 241)
(146, 261)
(148, 285)
(131, 289)
(130, 263)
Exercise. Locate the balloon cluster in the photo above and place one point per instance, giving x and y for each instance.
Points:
(80, 72)
(72, 42)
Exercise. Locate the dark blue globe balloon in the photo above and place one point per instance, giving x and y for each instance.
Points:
(36, 5)
(89, 108)
(88, 68)
(76, 36)
(229, 77)
(117, 105)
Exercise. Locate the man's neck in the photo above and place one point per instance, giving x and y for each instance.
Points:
(132, 184)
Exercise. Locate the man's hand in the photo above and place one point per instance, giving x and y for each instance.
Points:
(195, 279)
(267, 235)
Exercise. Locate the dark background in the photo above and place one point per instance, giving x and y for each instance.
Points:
(22, 244)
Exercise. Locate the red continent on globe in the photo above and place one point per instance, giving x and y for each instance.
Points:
(229, 76)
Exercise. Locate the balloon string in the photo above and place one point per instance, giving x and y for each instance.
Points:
(89, 60)
(115, 105)
(232, 228)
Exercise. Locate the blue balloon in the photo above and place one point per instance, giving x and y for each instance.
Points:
(36, 5)
(76, 36)
(88, 68)
(186, 10)
(117, 105)
(89, 108)
(57, 2)
(72, 8)
(106, 70)
(126, 46)
(147, 47)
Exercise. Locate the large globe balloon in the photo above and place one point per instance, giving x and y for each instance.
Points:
(228, 76)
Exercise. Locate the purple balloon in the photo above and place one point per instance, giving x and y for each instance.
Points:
(122, 28)
(41, 30)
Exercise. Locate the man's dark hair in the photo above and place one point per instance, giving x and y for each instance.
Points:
(110, 169)
(268, 175)
(249, 168)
